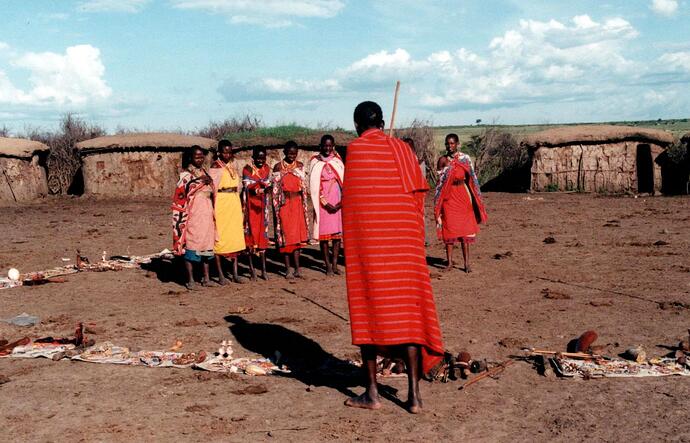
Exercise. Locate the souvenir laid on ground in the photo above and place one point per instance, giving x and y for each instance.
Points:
(115, 263)
(40, 350)
(223, 362)
(249, 366)
(6, 283)
(7, 348)
(107, 352)
(656, 367)
(385, 367)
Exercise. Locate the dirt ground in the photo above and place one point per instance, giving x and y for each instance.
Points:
(611, 273)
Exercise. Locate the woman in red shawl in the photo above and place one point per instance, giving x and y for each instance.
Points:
(458, 207)
(256, 180)
(290, 207)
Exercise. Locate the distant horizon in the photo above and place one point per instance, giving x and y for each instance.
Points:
(166, 65)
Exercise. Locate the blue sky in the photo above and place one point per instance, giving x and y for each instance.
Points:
(168, 64)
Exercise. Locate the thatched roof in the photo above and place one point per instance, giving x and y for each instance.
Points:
(144, 141)
(595, 134)
(20, 148)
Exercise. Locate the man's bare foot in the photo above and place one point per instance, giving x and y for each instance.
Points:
(208, 283)
(468, 269)
(329, 271)
(264, 277)
(364, 402)
(289, 275)
(413, 407)
(222, 281)
(299, 275)
(448, 267)
(238, 280)
(336, 271)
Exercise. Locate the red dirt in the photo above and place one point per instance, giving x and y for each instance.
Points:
(502, 301)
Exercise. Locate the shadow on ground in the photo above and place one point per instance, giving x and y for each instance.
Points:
(309, 362)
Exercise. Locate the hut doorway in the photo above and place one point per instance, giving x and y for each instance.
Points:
(645, 169)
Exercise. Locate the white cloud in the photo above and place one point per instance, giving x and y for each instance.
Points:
(537, 65)
(664, 7)
(128, 6)
(676, 61)
(270, 13)
(277, 89)
(72, 78)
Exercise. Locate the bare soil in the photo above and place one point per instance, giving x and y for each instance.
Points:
(603, 271)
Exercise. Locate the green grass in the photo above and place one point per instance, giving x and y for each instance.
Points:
(281, 132)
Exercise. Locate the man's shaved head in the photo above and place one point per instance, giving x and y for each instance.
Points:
(368, 115)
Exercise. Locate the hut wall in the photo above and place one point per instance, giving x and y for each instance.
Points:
(148, 173)
(26, 178)
(608, 167)
(125, 174)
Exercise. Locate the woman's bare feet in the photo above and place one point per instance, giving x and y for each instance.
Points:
(191, 286)
(364, 401)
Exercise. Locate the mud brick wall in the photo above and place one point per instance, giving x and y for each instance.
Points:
(605, 167)
(150, 173)
(27, 179)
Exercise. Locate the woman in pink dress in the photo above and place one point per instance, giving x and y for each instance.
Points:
(194, 230)
(326, 172)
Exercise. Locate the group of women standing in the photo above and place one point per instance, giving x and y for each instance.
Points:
(218, 214)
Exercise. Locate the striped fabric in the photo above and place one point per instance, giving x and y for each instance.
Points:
(388, 286)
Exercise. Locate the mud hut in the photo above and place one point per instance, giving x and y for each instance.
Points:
(143, 164)
(22, 163)
(597, 158)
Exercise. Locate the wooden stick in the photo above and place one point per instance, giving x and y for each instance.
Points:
(15, 197)
(395, 109)
(564, 354)
(489, 373)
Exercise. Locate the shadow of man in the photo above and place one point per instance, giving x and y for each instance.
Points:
(307, 360)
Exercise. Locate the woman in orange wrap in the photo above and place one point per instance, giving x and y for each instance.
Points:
(290, 207)
(458, 204)
(256, 180)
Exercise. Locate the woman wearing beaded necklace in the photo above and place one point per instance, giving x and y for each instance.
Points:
(290, 207)
(458, 204)
(193, 225)
(256, 181)
(326, 172)
(228, 211)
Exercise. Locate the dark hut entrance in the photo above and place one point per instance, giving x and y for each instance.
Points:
(645, 169)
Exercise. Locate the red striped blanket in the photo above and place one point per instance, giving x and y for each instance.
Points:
(388, 286)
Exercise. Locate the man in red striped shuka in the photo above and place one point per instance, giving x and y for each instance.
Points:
(392, 309)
